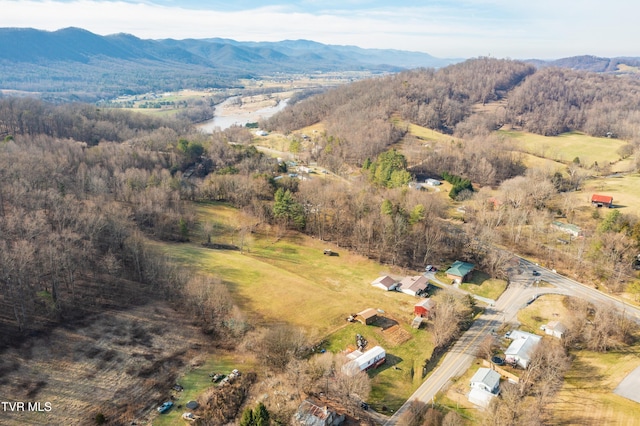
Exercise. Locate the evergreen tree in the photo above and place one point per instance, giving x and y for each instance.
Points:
(247, 419)
(261, 415)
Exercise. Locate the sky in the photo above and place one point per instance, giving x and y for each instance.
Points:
(517, 29)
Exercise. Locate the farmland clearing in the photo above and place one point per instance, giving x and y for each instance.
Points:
(566, 147)
(287, 278)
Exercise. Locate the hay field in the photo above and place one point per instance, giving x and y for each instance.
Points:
(567, 146)
(289, 278)
(623, 189)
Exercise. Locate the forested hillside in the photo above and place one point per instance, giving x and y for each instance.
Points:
(549, 101)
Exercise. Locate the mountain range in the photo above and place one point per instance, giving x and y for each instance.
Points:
(73, 63)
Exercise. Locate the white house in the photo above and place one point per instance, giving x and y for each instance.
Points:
(413, 285)
(385, 283)
(521, 348)
(485, 385)
(555, 329)
(487, 380)
(432, 182)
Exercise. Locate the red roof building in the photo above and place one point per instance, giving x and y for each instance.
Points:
(423, 308)
(602, 200)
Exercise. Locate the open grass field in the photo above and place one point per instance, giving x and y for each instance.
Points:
(590, 383)
(289, 279)
(567, 146)
(425, 134)
(548, 307)
(401, 375)
(483, 285)
(534, 162)
(624, 190)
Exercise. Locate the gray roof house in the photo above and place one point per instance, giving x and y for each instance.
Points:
(485, 385)
(486, 379)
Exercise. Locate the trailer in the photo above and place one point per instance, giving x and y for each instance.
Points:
(373, 358)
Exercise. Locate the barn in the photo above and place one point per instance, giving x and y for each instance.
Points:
(602, 200)
(423, 308)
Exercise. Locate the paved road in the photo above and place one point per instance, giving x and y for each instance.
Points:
(521, 291)
(574, 288)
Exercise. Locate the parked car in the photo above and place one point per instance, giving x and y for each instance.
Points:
(429, 268)
(165, 407)
(189, 416)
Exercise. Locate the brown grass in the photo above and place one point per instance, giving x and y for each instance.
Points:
(119, 363)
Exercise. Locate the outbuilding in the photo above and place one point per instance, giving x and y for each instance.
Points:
(424, 308)
(367, 317)
(385, 282)
(555, 329)
(602, 200)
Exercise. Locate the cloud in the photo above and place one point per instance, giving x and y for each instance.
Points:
(544, 28)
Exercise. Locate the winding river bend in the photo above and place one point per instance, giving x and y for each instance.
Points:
(223, 121)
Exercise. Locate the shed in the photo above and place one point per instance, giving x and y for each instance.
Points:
(460, 271)
(424, 308)
(487, 380)
(413, 285)
(417, 322)
(555, 329)
(567, 228)
(602, 200)
(385, 283)
(367, 317)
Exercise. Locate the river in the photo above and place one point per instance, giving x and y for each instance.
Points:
(224, 121)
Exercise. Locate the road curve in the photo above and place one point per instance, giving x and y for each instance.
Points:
(521, 290)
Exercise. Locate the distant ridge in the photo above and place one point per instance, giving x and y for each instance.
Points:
(75, 64)
(591, 63)
(74, 60)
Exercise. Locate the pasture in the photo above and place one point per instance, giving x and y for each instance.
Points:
(567, 146)
(282, 277)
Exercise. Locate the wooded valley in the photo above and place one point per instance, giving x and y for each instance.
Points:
(87, 195)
